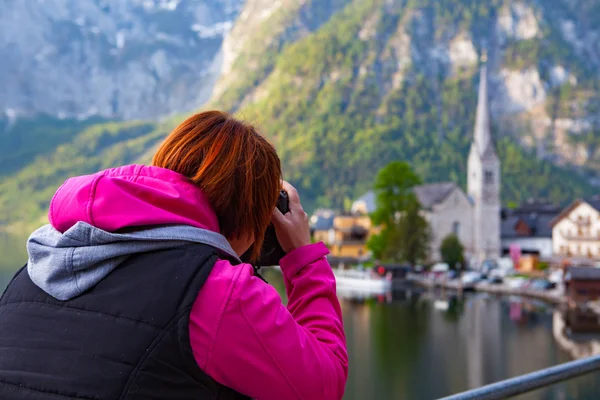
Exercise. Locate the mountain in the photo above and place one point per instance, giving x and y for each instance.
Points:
(384, 80)
(342, 87)
(112, 58)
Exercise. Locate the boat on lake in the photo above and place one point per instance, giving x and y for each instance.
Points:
(362, 281)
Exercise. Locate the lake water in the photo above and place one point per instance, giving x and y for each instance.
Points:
(416, 344)
(424, 345)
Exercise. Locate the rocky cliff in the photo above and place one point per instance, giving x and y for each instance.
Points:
(113, 58)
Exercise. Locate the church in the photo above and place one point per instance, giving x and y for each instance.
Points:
(474, 217)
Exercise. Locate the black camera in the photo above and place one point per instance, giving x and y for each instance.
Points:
(271, 252)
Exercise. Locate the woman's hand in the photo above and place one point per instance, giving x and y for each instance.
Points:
(292, 228)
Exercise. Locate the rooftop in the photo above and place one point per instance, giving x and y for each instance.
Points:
(429, 195)
(433, 193)
(537, 216)
(583, 273)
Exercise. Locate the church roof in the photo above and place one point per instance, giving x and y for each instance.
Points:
(429, 195)
(434, 193)
(482, 139)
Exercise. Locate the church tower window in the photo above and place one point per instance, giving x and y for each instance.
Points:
(489, 177)
(456, 228)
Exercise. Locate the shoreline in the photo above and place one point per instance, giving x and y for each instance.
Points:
(575, 348)
(552, 296)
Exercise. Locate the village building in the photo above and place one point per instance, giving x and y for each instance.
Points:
(576, 230)
(345, 234)
(528, 229)
(582, 284)
(321, 225)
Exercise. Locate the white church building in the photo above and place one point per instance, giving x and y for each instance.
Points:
(474, 217)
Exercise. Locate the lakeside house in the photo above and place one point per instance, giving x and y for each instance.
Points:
(528, 228)
(582, 284)
(576, 230)
(345, 234)
(321, 225)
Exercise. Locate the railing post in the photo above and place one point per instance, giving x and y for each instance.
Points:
(531, 381)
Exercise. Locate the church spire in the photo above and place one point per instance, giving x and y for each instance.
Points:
(483, 135)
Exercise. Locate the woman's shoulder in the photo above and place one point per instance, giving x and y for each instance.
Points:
(219, 298)
(227, 283)
(224, 274)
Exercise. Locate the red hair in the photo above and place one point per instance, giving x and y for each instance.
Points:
(236, 168)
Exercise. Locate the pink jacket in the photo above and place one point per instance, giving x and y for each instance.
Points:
(241, 333)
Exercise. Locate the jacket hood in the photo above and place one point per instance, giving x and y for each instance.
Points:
(86, 239)
(129, 196)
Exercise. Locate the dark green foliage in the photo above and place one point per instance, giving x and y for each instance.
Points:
(377, 244)
(409, 238)
(24, 196)
(405, 234)
(393, 188)
(452, 251)
(26, 139)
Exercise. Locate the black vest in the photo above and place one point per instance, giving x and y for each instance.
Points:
(126, 338)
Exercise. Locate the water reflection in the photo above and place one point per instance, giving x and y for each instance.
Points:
(416, 344)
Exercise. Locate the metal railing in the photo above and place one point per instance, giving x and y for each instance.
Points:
(532, 381)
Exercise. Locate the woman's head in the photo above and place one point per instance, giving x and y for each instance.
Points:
(236, 168)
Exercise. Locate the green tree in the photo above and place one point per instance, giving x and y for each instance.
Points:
(409, 238)
(405, 234)
(393, 188)
(452, 251)
(377, 243)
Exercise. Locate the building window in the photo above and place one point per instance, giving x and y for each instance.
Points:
(456, 228)
(489, 177)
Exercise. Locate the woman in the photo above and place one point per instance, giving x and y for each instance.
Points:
(135, 290)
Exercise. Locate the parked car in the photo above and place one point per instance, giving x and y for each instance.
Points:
(541, 284)
(556, 276)
(495, 279)
(470, 278)
(488, 266)
(515, 282)
(451, 275)
(501, 273)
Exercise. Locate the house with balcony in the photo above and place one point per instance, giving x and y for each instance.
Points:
(345, 234)
(576, 230)
(350, 234)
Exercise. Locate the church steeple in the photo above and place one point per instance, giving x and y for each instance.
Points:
(483, 180)
(483, 136)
